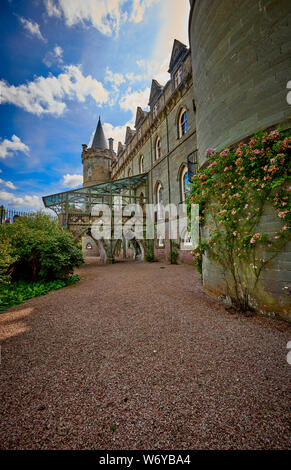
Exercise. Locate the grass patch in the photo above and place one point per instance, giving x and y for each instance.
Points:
(18, 292)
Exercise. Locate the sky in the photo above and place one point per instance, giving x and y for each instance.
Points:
(64, 63)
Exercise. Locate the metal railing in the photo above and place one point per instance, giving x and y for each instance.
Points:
(8, 215)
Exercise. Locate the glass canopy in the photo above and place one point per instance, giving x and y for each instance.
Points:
(131, 190)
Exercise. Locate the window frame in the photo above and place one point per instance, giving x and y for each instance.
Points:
(183, 173)
(141, 164)
(178, 77)
(155, 110)
(158, 148)
(182, 125)
(159, 199)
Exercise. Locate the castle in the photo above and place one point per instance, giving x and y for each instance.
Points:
(162, 144)
(229, 83)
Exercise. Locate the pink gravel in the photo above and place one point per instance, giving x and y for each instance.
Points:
(142, 349)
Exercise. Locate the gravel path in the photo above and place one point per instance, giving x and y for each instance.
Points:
(138, 357)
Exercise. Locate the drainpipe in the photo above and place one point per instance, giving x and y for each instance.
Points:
(168, 167)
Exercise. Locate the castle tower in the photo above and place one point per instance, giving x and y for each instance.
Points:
(97, 159)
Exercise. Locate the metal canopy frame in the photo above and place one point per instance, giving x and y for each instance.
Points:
(82, 200)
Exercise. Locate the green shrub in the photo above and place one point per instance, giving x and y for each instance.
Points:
(6, 260)
(37, 248)
(20, 291)
(174, 254)
(150, 252)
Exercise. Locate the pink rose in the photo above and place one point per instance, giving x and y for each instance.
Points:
(224, 153)
(274, 134)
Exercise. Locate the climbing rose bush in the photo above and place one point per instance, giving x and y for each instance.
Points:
(232, 192)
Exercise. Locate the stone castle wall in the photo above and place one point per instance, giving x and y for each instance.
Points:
(241, 56)
(96, 166)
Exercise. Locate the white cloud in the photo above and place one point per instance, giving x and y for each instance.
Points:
(8, 184)
(132, 77)
(116, 79)
(35, 202)
(174, 16)
(138, 9)
(46, 95)
(52, 9)
(116, 132)
(32, 27)
(71, 181)
(58, 51)
(155, 69)
(104, 15)
(132, 99)
(55, 56)
(129, 102)
(9, 147)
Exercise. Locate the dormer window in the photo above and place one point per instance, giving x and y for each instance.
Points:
(178, 77)
(155, 110)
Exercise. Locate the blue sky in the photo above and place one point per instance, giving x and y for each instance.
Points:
(64, 63)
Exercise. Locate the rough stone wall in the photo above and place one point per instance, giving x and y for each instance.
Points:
(241, 56)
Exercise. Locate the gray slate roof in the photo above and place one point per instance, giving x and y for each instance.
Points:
(99, 140)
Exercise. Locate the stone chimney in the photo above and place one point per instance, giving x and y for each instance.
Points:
(110, 140)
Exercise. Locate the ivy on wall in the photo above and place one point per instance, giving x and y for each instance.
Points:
(232, 192)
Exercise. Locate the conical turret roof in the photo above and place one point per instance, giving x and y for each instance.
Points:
(99, 140)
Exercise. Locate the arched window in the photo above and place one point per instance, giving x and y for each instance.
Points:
(159, 194)
(184, 183)
(183, 122)
(159, 200)
(158, 148)
(141, 165)
(129, 172)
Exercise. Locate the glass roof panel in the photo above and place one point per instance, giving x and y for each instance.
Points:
(92, 193)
